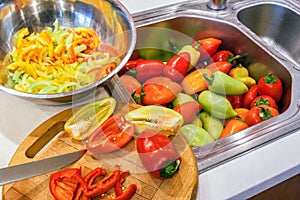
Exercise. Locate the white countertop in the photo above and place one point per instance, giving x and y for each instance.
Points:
(237, 179)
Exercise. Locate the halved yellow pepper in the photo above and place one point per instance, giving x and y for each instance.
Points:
(89, 117)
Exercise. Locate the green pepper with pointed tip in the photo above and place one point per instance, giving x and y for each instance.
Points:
(195, 135)
(211, 124)
(222, 83)
(217, 105)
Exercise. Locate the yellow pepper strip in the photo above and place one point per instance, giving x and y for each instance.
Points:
(56, 60)
(21, 34)
(26, 50)
(16, 65)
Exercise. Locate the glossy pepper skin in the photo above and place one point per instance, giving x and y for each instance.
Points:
(222, 55)
(264, 100)
(110, 136)
(157, 91)
(207, 47)
(216, 105)
(194, 55)
(222, 83)
(146, 69)
(260, 113)
(158, 154)
(233, 126)
(177, 67)
(211, 124)
(270, 85)
(222, 66)
(63, 184)
(250, 96)
(195, 82)
(96, 188)
(241, 73)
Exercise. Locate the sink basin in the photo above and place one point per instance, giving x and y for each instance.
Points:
(276, 24)
(164, 30)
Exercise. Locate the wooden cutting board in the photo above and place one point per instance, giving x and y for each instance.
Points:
(182, 186)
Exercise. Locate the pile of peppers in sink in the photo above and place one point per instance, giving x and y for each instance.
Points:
(208, 85)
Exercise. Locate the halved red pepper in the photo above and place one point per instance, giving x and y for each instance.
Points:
(64, 184)
(110, 136)
(158, 154)
(177, 67)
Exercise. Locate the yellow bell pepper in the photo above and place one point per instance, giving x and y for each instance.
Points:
(242, 74)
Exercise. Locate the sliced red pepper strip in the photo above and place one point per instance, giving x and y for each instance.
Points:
(64, 184)
(127, 194)
(92, 175)
(104, 184)
(118, 186)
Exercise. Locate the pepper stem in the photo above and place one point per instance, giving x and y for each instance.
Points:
(231, 59)
(209, 79)
(170, 169)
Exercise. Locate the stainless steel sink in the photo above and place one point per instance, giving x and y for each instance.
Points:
(251, 28)
(277, 24)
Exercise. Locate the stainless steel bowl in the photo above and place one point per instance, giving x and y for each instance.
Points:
(109, 18)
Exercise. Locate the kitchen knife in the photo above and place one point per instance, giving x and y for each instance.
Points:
(23, 171)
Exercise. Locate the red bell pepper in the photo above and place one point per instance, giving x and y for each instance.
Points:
(146, 69)
(264, 100)
(207, 47)
(222, 66)
(129, 65)
(270, 85)
(157, 91)
(110, 136)
(188, 110)
(64, 184)
(225, 55)
(177, 67)
(250, 96)
(260, 113)
(236, 101)
(158, 154)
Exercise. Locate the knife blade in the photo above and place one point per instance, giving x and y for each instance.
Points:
(35, 168)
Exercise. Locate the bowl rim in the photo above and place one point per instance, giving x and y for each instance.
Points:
(133, 37)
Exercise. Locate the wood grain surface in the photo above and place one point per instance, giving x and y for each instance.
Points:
(182, 186)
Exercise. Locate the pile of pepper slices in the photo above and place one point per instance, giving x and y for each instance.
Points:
(69, 184)
(56, 60)
(209, 86)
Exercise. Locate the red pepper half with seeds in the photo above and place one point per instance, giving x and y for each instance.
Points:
(158, 154)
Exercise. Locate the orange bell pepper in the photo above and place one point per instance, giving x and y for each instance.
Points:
(233, 126)
(195, 82)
